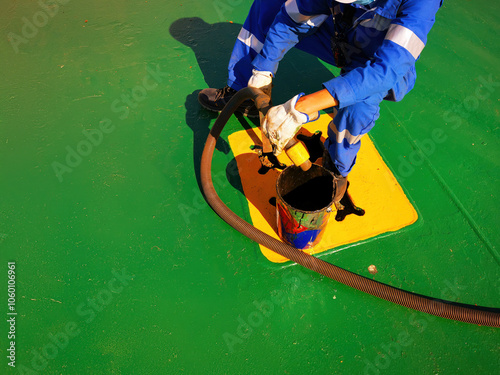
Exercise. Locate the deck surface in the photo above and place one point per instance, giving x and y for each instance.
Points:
(122, 268)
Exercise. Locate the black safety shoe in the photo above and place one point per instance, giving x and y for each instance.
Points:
(216, 99)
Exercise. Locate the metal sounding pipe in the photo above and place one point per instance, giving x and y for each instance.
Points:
(445, 309)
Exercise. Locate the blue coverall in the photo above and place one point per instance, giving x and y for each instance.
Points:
(383, 42)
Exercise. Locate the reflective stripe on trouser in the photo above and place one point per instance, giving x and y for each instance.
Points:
(347, 128)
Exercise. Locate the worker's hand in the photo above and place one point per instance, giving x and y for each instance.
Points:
(261, 80)
(282, 122)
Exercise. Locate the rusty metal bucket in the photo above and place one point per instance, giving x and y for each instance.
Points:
(303, 205)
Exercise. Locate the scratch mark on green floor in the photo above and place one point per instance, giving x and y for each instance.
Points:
(475, 227)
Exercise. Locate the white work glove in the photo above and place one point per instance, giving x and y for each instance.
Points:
(262, 80)
(282, 122)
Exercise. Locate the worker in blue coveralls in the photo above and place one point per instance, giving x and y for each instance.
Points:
(374, 42)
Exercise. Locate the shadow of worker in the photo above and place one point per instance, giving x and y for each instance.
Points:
(212, 45)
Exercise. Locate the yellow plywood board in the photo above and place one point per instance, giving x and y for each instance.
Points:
(372, 187)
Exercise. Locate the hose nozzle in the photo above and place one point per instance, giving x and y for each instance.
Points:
(298, 154)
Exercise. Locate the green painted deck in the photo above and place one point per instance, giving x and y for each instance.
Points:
(122, 268)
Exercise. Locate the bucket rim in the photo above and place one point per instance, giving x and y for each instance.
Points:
(327, 208)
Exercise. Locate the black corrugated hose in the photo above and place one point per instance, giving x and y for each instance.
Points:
(445, 309)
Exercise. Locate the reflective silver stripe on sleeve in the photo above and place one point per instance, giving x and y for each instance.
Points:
(405, 38)
(344, 134)
(250, 40)
(293, 11)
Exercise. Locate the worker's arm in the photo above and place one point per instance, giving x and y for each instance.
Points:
(312, 103)
(393, 60)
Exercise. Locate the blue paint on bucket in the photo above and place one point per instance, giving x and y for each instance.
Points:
(303, 205)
